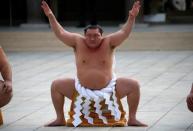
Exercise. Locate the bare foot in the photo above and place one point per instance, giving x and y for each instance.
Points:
(136, 123)
(56, 123)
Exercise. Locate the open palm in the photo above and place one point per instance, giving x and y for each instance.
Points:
(135, 9)
(46, 8)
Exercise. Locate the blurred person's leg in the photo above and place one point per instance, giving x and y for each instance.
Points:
(5, 97)
(1, 118)
(189, 100)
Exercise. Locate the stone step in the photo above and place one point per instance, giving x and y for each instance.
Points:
(47, 41)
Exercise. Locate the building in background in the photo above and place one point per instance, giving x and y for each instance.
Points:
(108, 12)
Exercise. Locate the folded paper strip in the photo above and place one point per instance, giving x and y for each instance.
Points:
(96, 107)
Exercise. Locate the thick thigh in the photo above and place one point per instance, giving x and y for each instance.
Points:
(125, 86)
(64, 86)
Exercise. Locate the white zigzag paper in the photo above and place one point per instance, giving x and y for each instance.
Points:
(97, 96)
(99, 112)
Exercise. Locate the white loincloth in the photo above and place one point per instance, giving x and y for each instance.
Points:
(82, 107)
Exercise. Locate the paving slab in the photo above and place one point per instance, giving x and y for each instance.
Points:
(165, 78)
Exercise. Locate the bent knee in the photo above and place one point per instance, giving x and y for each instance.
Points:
(57, 85)
(5, 98)
(54, 85)
(135, 84)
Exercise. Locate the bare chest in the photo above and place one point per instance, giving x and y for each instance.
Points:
(97, 57)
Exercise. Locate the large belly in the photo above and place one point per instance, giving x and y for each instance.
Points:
(94, 79)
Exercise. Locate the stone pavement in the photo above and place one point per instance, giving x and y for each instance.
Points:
(165, 77)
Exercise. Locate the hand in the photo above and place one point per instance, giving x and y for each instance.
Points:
(7, 88)
(46, 8)
(189, 101)
(135, 9)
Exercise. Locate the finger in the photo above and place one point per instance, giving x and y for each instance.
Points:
(187, 98)
(191, 100)
(43, 1)
(44, 4)
(190, 104)
(138, 1)
(43, 7)
(136, 4)
(8, 90)
(4, 89)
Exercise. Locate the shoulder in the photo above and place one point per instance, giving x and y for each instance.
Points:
(79, 38)
(106, 39)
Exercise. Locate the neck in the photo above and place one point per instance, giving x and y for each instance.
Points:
(94, 48)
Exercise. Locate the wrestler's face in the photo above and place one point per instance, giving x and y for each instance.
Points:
(93, 38)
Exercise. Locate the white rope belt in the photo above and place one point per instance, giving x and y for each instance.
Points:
(97, 96)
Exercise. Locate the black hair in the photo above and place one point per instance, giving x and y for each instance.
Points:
(94, 27)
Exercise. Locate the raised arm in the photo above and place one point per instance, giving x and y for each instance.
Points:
(65, 36)
(118, 37)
